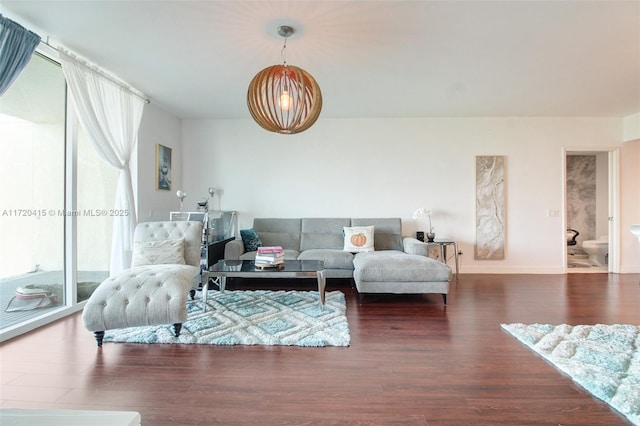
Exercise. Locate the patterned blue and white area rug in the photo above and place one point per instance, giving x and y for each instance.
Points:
(261, 317)
(603, 359)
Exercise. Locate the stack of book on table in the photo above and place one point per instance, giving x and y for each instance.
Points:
(269, 257)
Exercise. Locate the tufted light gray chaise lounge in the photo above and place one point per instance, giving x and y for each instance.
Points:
(150, 294)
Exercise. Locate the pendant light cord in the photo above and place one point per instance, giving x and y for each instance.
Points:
(284, 59)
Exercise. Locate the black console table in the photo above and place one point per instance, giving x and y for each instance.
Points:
(215, 250)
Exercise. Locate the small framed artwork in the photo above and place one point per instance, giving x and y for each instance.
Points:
(163, 167)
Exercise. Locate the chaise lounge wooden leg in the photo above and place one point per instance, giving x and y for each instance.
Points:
(99, 336)
(176, 328)
(444, 298)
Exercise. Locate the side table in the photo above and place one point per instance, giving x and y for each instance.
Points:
(443, 251)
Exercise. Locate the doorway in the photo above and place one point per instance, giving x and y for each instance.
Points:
(590, 207)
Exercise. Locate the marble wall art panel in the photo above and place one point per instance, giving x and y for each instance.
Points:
(581, 195)
(490, 208)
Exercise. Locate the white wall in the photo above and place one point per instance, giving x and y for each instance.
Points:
(390, 167)
(630, 197)
(631, 126)
(157, 127)
(629, 206)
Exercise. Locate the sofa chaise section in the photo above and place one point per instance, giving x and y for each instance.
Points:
(394, 272)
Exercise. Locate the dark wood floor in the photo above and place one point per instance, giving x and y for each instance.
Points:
(411, 361)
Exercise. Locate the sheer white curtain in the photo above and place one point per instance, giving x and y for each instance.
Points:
(111, 115)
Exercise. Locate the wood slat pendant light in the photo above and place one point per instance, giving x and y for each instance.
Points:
(284, 98)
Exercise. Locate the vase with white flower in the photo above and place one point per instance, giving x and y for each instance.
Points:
(424, 212)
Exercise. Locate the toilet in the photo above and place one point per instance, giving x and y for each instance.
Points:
(597, 250)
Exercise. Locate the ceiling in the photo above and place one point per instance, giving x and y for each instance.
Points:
(371, 58)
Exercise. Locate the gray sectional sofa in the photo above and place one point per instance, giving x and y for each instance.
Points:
(395, 266)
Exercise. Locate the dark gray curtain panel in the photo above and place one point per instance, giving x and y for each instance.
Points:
(17, 45)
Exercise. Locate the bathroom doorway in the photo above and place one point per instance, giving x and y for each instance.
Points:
(590, 194)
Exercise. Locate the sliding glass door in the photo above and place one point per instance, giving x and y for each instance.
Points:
(55, 238)
(32, 176)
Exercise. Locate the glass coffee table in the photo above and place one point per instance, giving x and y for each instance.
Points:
(247, 269)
